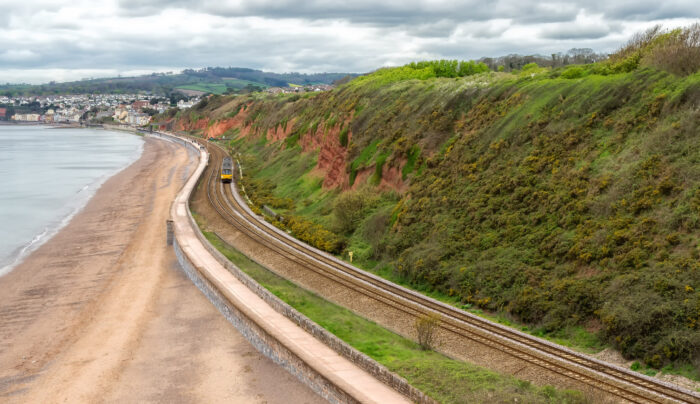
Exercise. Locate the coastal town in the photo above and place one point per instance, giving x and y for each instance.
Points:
(130, 109)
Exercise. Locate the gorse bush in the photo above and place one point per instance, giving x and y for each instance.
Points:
(573, 72)
(314, 234)
(351, 207)
(569, 197)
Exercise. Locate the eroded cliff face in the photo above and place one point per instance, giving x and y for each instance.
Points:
(281, 132)
(217, 127)
(392, 178)
(332, 155)
(192, 126)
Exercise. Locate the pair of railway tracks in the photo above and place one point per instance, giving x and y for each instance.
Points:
(614, 381)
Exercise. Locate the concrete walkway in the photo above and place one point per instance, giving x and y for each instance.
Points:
(347, 376)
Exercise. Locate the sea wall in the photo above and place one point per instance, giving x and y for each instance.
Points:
(374, 368)
(265, 340)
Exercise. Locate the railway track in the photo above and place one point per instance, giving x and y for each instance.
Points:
(617, 382)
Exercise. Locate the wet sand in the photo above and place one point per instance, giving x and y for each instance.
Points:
(102, 313)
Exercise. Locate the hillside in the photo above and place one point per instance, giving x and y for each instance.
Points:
(215, 80)
(567, 199)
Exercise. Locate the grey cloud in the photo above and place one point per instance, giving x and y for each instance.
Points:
(439, 29)
(310, 36)
(384, 13)
(66, 26)
(644, 10)
(572, 31)
(392, 13)
(486, 30)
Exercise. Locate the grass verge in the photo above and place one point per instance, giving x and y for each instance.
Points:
(444, 379)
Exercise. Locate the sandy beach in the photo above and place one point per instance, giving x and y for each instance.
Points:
(102, 313)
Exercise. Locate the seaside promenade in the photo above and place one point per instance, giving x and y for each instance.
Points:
(102, 313)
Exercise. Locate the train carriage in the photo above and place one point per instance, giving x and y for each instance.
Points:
(227, 170)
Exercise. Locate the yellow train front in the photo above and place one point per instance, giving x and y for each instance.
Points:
(227, 170)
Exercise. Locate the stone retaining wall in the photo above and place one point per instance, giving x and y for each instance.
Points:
(261, 340)
(271, 348)
(373, 367)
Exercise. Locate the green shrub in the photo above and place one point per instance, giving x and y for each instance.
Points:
(351, 207)
(573, 72)
(343, 136)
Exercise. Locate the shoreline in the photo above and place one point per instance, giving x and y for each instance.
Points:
(38, 123)
(102, 312)
(76, 204)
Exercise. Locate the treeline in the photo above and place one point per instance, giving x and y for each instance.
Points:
(268, 78)
(164, 84)
(451, 68)
(31, 108)
(156, 84)
(575, 56)
(676, 51)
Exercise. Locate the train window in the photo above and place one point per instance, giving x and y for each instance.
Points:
(226, 171)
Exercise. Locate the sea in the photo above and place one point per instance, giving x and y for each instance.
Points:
(47, 175)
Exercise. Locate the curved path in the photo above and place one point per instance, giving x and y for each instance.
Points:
(102, 313)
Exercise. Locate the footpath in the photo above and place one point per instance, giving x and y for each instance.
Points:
(324, 370)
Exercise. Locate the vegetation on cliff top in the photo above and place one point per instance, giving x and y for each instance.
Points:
(562, 197)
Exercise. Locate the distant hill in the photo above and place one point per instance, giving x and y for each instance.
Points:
(216, 80)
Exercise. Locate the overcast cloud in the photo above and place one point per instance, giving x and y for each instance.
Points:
(45, 40)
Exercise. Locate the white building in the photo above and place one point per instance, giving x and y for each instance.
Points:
(138, 119)
(26, 117)
(182, 104)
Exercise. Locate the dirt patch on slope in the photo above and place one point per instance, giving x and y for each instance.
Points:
(392, 177)
(280, 132)
(332, 156)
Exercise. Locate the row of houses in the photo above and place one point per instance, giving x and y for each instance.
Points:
(299, 89)
(89, 107)
(50, 116)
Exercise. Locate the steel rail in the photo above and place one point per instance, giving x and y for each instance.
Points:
(614, 380)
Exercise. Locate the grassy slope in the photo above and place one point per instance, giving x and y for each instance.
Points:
(164, 83)
(220, 87)
(444, 379)
(214, 88)
(561, 203)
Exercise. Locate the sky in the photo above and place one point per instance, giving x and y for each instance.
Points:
(44, 40)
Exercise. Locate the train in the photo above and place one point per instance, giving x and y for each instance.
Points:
(227, 170)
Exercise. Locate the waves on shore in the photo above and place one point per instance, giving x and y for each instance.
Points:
(51, 229)
(51, 177)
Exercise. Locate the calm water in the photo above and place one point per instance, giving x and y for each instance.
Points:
(47, 175)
